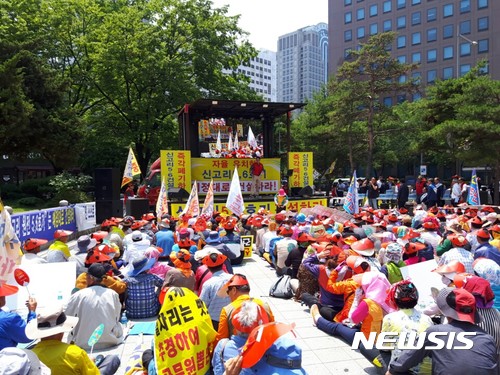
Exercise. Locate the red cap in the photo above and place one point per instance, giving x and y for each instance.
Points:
(286, 230)
(149, 216)
(95, 256)
(33, 243)
(458, 240)
(392, 217)
(413, 247)
(364, 247)
(429, 225)
(411, 234)
(403, 210)
(62, 233)
(304, 237)
(481, 233)
(236, 280)
(450, 267)
(99, 235)
(7, 290)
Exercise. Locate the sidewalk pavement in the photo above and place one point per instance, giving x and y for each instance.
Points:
(321, 353)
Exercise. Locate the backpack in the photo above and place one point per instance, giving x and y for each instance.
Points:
(282, 288)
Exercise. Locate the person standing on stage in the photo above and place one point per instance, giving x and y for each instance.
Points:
(256, 171)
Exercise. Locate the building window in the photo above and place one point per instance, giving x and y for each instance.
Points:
(464, 6)
(447, 52)
(482, 24)
(388, 101)
(387, 25)
(416, 58)
(373, 10)
(402, 59)
(360, 14)
(431, 76)
(483, 45)
(401, 98)
(431, 14)
(401, 4)
(373, 29)
(416, 18)
(447, 72)
(361, 32)
(348, 17)
(431, 55)
(402, 79)
(484, 69)
(432, 35)
(464, 69)
(416, 76)
(447, 31)
(482, 4)
(465, 27)
(447, 10)
(347, 2)
(416, 38)
(415, 2)
(387, 6)
(465, 49)
(401, 41)
(401, 21)
(347, 35)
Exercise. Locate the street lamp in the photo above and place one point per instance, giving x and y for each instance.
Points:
(458, 47)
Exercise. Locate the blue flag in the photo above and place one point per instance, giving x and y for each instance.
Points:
(473, 196)
(351, 203)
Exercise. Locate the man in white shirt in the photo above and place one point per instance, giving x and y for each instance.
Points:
(31, 249)
(456, 192)
(283, 247)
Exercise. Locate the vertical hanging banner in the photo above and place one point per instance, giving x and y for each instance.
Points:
(162, 202)
(176, 168)
(473, 195)
(301, 163)
(351, 203)
(208, 205)
(192, 207)
(235, 198)
(184, 335)
(131, 168)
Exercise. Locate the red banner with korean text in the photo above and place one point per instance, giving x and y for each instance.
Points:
(184, 336)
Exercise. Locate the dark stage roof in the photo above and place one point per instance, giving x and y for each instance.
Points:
(239, 109)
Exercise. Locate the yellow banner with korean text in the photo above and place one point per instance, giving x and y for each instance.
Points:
(221, 172)
(176, 169)
(302, 165)
(253, 207)
(184, 335)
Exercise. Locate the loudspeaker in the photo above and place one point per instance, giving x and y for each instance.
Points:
(107, 183)
(137, 207)
(306, 192)
(108, 208)
(177, 194)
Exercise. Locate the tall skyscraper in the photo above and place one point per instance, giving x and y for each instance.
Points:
(262, 72)
(446, 37)
(302, 61)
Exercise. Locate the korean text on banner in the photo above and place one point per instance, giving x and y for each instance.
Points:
(473, 195)
(204, 170)
(131, 168)
(247, 244)
(162, 202)
(184, 335)
(208, 205)
(193, 204)
(9, 246)
(302, 165)
(176, 168)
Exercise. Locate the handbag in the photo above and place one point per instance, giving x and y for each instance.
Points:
(282, 288)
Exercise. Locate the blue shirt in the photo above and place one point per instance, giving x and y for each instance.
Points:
(226, 349)
(142, 299)
(165, 240)
(209, 291)
(12, 328)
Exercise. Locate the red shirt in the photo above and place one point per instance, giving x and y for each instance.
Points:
(256, 168)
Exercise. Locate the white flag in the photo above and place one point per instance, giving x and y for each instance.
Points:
(251, 138)
(230, 142)
(192, 205)
(131, 168)
(162, 202)
(236, 143)
(218, 145)
(208, 206)
(235, 198)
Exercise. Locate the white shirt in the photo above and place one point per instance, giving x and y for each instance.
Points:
(283, 247)
(30, 258)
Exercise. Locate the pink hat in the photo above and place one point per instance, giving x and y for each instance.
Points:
(281, 193)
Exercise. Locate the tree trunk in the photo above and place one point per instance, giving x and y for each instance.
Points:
(371, 137)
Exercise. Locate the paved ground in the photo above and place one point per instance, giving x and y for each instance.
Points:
(321, 353)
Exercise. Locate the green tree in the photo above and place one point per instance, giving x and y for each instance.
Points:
(371, 76)
(134, 64)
